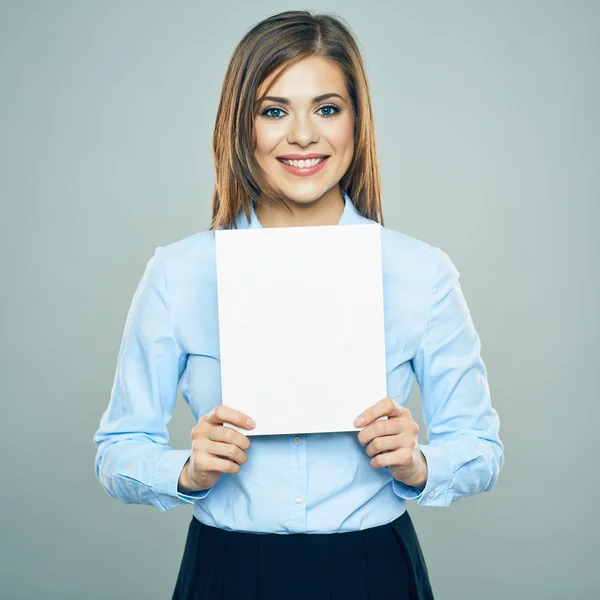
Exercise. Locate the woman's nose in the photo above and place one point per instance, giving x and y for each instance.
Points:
(302, 131)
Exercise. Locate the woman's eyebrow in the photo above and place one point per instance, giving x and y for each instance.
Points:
(286, 101)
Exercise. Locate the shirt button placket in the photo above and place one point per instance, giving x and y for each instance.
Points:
(300, 478)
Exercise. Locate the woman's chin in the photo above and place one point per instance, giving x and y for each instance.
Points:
(302, 194)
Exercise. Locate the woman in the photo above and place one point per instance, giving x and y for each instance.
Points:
(303, 516)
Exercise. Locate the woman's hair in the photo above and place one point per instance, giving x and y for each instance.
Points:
(284, 39)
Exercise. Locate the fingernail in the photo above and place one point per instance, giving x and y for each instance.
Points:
(359, 421)
(250, 422)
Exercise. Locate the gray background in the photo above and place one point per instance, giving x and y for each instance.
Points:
(488, 134)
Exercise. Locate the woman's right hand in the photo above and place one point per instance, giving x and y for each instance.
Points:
(211, 440)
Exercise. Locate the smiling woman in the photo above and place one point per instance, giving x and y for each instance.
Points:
(302, 516)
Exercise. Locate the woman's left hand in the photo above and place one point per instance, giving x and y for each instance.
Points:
(392, 442)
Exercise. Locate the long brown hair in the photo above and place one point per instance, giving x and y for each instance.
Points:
(283, 39)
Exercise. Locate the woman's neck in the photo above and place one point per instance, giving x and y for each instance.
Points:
(326, 210)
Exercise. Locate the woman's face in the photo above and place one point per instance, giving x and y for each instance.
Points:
(304, 110)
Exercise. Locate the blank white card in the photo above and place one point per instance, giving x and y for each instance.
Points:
(301, 325)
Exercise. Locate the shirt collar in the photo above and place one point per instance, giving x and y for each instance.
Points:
(350, 216)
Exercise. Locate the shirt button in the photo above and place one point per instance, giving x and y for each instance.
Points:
(297, 441)
(455, 499)
(431, 494)
(298, 501)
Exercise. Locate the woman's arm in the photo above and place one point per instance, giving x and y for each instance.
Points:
(464, 454)
(133, 462)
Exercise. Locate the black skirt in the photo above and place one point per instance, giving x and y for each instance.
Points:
(380, 563)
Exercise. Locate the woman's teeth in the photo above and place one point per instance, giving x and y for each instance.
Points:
(303, 164)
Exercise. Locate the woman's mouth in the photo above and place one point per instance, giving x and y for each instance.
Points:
(303, 167)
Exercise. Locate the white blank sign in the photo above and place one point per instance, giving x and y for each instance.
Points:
(301, 325)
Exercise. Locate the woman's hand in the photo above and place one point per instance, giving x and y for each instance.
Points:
(212, 440)
(392, 442)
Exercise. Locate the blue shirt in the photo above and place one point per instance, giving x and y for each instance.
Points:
(313, 483)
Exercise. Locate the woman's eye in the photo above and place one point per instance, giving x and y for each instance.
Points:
(271, 116)
(331, 109)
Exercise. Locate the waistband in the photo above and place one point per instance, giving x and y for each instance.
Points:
(399, 524)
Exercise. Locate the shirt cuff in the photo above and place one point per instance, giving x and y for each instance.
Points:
(439, 478)
(166, 479)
